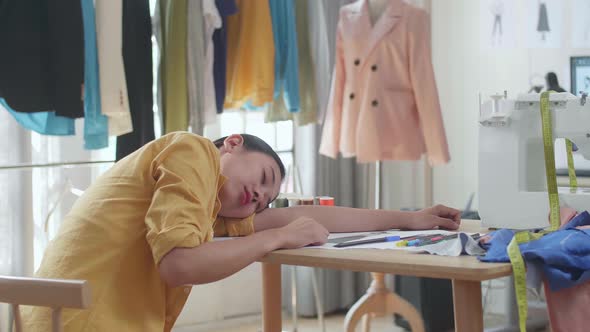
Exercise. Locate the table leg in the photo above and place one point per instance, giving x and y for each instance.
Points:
(271, 297)
(467, 305)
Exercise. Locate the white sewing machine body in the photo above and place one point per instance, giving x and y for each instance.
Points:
(512, 180)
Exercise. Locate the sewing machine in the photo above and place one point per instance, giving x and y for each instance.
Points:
(512, 180)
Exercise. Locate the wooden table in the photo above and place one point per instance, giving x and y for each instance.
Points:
(466, 273)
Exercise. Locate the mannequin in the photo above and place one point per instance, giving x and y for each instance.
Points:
(376, 8)
(379, 300)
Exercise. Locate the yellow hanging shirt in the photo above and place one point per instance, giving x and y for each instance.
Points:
(161, 197)
(250, 73)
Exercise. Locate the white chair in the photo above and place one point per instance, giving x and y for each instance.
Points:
(53, 293)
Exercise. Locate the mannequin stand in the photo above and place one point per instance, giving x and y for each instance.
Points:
(379, 300)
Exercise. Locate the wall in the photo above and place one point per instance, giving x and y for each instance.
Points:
(235, 296)
(464, 69)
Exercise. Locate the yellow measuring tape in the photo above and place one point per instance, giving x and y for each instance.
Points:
(519, 271)
(550, 161)
(518, 266)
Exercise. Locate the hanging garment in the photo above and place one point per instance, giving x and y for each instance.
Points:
(250, 55)
(195, 47)
(157, 33)
(212, 22)
(42, 62)
(308, 102)
(563, 255)
(173, 65)
(45, 123)
(384, 101)
(286, 55)
(323, 18)
(137, 57)
(96, 127)
(225, 9)
(113, 86)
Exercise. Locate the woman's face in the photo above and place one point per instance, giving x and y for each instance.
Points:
(254, 179)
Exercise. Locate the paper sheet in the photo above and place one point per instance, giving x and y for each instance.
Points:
(453, 247)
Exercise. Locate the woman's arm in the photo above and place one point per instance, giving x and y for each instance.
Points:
(216, 260)
(343, 219)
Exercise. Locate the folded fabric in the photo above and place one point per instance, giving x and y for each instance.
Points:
(563, 256)
(462, 245)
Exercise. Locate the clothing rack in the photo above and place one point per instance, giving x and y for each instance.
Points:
(60, 164)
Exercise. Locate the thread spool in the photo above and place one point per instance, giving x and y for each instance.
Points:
(294, 202)
(280, 203)
(326, 200)
(306, 201)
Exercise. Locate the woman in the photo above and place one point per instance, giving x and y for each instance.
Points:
(144, 229)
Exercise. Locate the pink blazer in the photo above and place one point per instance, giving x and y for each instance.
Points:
(383, 101)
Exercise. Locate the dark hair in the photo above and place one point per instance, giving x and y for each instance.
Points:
(253, 143)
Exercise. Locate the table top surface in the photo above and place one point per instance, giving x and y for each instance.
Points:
(398, 262)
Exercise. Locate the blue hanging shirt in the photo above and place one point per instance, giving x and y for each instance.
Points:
(96, 129)
(45, 123)
(284, 31)
(563, 255)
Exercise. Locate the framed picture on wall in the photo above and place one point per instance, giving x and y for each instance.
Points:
(580, 74)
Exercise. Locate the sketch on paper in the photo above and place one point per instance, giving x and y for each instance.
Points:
(497, 23)
(580, 35)
(544, 23)
(497, 9)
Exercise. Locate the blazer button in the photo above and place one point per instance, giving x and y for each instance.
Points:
(374, 67)
(351, 96)
(375, 103)
(357, 62)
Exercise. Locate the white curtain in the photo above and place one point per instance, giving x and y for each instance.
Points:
(11, 211)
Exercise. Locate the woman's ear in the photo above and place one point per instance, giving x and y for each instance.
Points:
(233, 143)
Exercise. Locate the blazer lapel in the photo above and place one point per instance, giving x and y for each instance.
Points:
(384, 24)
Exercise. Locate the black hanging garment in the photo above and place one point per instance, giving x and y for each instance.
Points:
(42, 57)
(137, 57)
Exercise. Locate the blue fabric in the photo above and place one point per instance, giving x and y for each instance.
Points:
(45, 123)
(225, 9)
(249, 107)
(96, 129)
(286, 59)
(563, 256)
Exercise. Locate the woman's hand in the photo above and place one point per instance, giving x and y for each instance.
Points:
(438, 216)
(301, 232)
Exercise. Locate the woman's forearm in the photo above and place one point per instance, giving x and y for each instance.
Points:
(216, 260)
(334, 218)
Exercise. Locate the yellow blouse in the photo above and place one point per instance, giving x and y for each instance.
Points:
(161, 197)
(250, 70)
